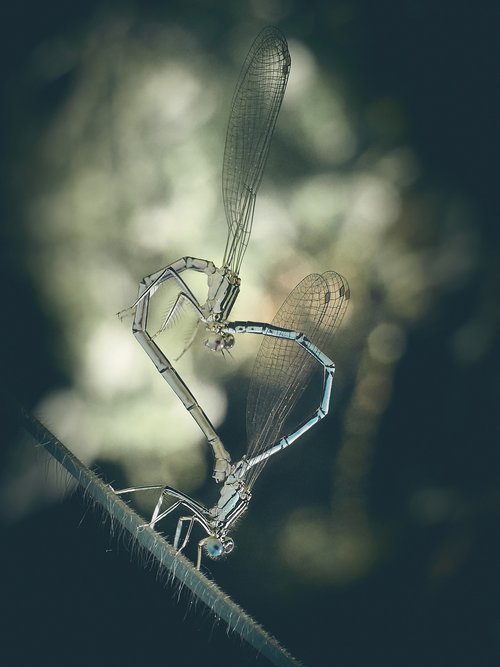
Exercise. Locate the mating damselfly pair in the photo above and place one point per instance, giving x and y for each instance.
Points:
(293, 344)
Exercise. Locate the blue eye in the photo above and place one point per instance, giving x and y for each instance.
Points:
(214, 547)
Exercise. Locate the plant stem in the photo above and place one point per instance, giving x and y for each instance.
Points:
(179, 567)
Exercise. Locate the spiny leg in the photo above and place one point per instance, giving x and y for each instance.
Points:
(156, 517)
(182, 519)
(131, 489)
(179, 302)
(154, 280)
(201, 544)
(189, 342)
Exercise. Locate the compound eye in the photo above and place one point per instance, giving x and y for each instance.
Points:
(229, 341)
(214, 547)
(228, 545)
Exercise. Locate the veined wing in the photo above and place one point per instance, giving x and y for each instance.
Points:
(254, 109)
(283, 369)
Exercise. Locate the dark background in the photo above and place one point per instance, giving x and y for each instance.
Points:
(73, 595)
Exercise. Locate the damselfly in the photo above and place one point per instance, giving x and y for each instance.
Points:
(289, 354)
(255, 107)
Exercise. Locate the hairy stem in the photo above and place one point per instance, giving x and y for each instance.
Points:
(178, 567)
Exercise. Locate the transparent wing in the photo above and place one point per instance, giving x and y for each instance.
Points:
(283, 369)
(254, 109)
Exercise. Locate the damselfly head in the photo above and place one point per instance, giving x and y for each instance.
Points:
(218, 341)
(216, 547)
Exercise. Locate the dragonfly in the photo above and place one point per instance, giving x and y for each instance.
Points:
(254, 109)
(289, 355)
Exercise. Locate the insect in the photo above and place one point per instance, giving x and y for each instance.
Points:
(289, 354)
(254, 110)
